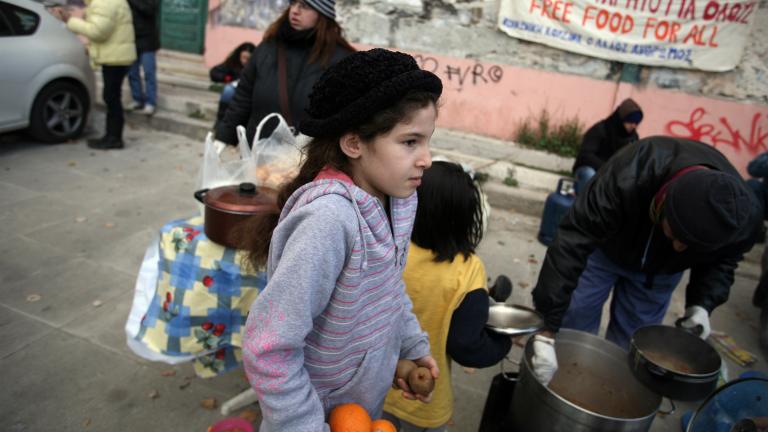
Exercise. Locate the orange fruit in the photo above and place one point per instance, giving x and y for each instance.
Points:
(349, 417)
(382, 425)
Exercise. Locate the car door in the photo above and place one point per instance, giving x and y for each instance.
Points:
(18, 53)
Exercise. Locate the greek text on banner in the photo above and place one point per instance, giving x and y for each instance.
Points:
(695, 34)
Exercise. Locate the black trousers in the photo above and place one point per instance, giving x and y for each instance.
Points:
(113, 83)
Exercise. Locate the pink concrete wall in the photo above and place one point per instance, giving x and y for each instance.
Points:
(493, 99)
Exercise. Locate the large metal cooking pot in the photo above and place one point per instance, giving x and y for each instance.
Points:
(227, 207)
(673, 362)
(593, 390)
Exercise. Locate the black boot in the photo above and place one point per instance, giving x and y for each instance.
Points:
(106, 143)
(501, 289)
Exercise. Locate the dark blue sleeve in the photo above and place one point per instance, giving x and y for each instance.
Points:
(470, 343)
(758, 167)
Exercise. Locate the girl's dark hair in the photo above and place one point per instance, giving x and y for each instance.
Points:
(318, 153)
(328, 34)
(449, 219)
(233, 60)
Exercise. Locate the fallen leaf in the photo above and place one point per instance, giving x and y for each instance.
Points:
(179, 167)
(109, 225)
(87, 422)
(249, 415)
(81, 219)
(96, 303)
(523, 284)
(208, 403)
(469, 370)
(71, 163)
(154, 394)
(168, 373)
(501, 243)
(532, 261)
(184, 385)
(33, 298)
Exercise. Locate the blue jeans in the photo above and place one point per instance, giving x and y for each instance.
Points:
(634, 303)
(147, 96)
(582, 175)
(226, 96)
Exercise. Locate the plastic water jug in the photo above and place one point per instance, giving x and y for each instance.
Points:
(555, 207)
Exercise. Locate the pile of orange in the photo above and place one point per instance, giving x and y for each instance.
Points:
(351, 417)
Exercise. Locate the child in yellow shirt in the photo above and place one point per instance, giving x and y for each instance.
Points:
(446, 282)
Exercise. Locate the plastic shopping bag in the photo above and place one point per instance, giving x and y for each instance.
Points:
(276, 157)
(224, 165)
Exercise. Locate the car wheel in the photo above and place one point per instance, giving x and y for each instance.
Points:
(59, 113)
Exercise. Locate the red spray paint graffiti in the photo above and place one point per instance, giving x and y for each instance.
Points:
(721, 133)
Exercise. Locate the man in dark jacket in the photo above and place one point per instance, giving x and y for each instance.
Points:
(658, 207)
(605, 138)
(758, 168)
(147, 43)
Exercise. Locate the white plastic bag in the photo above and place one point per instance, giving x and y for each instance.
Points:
(224, 165)
(277, 156)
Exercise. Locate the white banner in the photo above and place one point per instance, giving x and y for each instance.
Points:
(696, 34)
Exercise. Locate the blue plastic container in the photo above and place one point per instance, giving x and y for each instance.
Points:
(555, 207)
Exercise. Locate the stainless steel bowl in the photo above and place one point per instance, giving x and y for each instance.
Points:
(513, 320)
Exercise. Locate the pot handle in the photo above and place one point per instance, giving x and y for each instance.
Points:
(200, 195)
(671, 410)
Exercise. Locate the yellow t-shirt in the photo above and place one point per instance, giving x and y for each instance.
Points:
(436, 290)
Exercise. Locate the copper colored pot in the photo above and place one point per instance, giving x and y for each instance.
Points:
(227, 207)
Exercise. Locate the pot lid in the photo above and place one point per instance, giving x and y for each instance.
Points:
(513, 320)
(243, 198)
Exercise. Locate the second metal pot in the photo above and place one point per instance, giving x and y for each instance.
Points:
(674, 363)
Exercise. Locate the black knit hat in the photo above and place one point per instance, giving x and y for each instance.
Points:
(325, 7)
(706, 209)
(350, 92)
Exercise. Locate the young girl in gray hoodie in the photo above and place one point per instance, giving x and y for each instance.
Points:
(334, 318)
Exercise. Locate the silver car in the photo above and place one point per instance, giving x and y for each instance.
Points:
(46, 81)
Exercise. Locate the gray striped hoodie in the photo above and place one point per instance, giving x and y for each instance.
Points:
(334, 318)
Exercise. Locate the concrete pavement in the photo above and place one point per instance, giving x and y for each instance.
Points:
(75, 224)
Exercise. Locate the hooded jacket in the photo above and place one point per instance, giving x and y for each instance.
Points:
(606, 137)
(334, 318)
(108, 25)
(613, 215)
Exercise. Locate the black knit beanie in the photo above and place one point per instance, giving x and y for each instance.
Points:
(706, 209)
(350, 92)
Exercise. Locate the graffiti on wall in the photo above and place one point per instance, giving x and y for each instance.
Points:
(255, 14)
(477, 74)
(719, 131)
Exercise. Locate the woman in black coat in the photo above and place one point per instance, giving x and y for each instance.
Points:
(229, 72)
(310, 40)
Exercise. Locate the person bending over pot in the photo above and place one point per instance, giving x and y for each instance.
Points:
(658, 207)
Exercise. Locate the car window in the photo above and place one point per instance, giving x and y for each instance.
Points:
(21, 21)
(5, 26)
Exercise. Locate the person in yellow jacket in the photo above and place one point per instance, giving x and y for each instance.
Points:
(108, 26)
(446, 282)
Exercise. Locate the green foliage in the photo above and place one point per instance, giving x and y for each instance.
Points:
(542, 133)
(511, 181)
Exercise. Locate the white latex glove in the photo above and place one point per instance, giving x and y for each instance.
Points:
(544, 360)
(696, 315)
